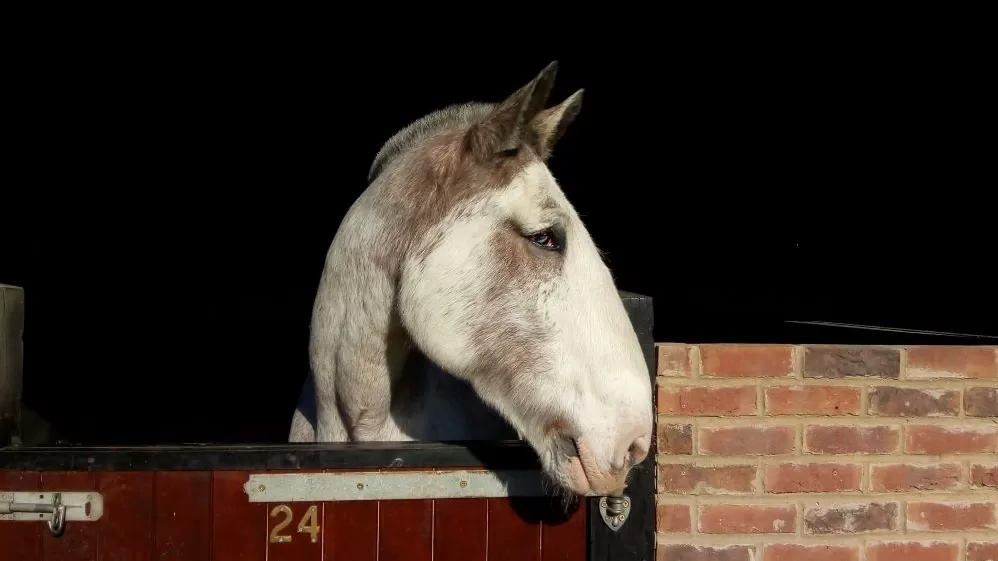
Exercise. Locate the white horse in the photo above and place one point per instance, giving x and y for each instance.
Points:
(463, 299)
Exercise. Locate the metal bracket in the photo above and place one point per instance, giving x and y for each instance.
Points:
(54, 507)
(381, 486)
(615, 510)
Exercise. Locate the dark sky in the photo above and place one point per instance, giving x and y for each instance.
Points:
(179, 202)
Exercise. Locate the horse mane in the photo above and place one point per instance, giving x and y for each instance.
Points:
(452, 116)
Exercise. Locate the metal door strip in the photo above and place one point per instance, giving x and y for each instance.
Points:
(382, 486)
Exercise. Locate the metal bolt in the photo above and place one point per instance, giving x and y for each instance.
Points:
(261, 488)
(360, 486)
(464, 484)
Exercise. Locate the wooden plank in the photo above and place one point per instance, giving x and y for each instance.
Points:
(406, 530)
(238, 527)
(351, 531)
(512, 537)
(182, 522)
(80, 540)
(126, 529)
(460, 529)
(294, 529)
(563, 532)
(11, 362)
(21, 540)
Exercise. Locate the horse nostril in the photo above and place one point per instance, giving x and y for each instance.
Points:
(638, 450)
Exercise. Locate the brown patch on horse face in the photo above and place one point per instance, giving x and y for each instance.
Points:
(431, 181)
(519, 265)
(507, 352)
(557, 426)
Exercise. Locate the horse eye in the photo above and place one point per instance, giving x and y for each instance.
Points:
(544, 239)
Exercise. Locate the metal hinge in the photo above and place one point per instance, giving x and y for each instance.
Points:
(54, 507)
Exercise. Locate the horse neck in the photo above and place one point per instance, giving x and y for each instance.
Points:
(370, 382)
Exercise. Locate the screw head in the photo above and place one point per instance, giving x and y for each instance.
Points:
(360, 486)
(261, 487)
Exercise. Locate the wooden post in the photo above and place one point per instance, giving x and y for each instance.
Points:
(11, 362)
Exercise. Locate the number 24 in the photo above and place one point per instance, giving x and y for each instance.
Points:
(308, 524)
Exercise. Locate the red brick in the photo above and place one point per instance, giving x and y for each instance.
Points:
(915, 477)
(952, 516)
(795, 552)
(812, 400)
(984, 475)
(748, 519)
(747, 361)
(675, 360)
(675, 439)
(927, 439)
(943, 361)
(981, 402)
(859, 518)
(706, 480)
(823, 439)
(694, 401)
(847, 361)
(684, 552)
(982, 551)
(735, 441)
(673, 519)
(913, 551)
(813, 478)
(887, 401)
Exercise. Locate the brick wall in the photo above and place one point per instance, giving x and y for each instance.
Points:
(827, 453)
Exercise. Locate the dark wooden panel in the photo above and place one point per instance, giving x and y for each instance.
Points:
(351, 531)
(126, 528)
(460, 529)
(11, 361)
(182, 521)
(238, 527)
(563, 532)
(80, 540)
(406, 530)
(512, 537)
(312, 455)
(299, 545)
(21, 540)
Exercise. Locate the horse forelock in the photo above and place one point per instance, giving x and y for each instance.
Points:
(453, 116)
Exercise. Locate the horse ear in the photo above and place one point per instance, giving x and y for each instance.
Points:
(506, 127)
(549, 125)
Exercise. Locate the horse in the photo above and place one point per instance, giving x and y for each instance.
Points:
(462, 298)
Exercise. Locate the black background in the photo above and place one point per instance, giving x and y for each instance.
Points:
(177, 197)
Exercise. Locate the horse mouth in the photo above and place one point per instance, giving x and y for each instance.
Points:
(576, 474)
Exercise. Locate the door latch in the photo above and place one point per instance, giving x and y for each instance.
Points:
(55, 508)
(614, 510)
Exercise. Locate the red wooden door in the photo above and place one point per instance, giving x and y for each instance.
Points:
(207, 515)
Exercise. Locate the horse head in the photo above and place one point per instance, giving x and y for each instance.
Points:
(499, 282)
